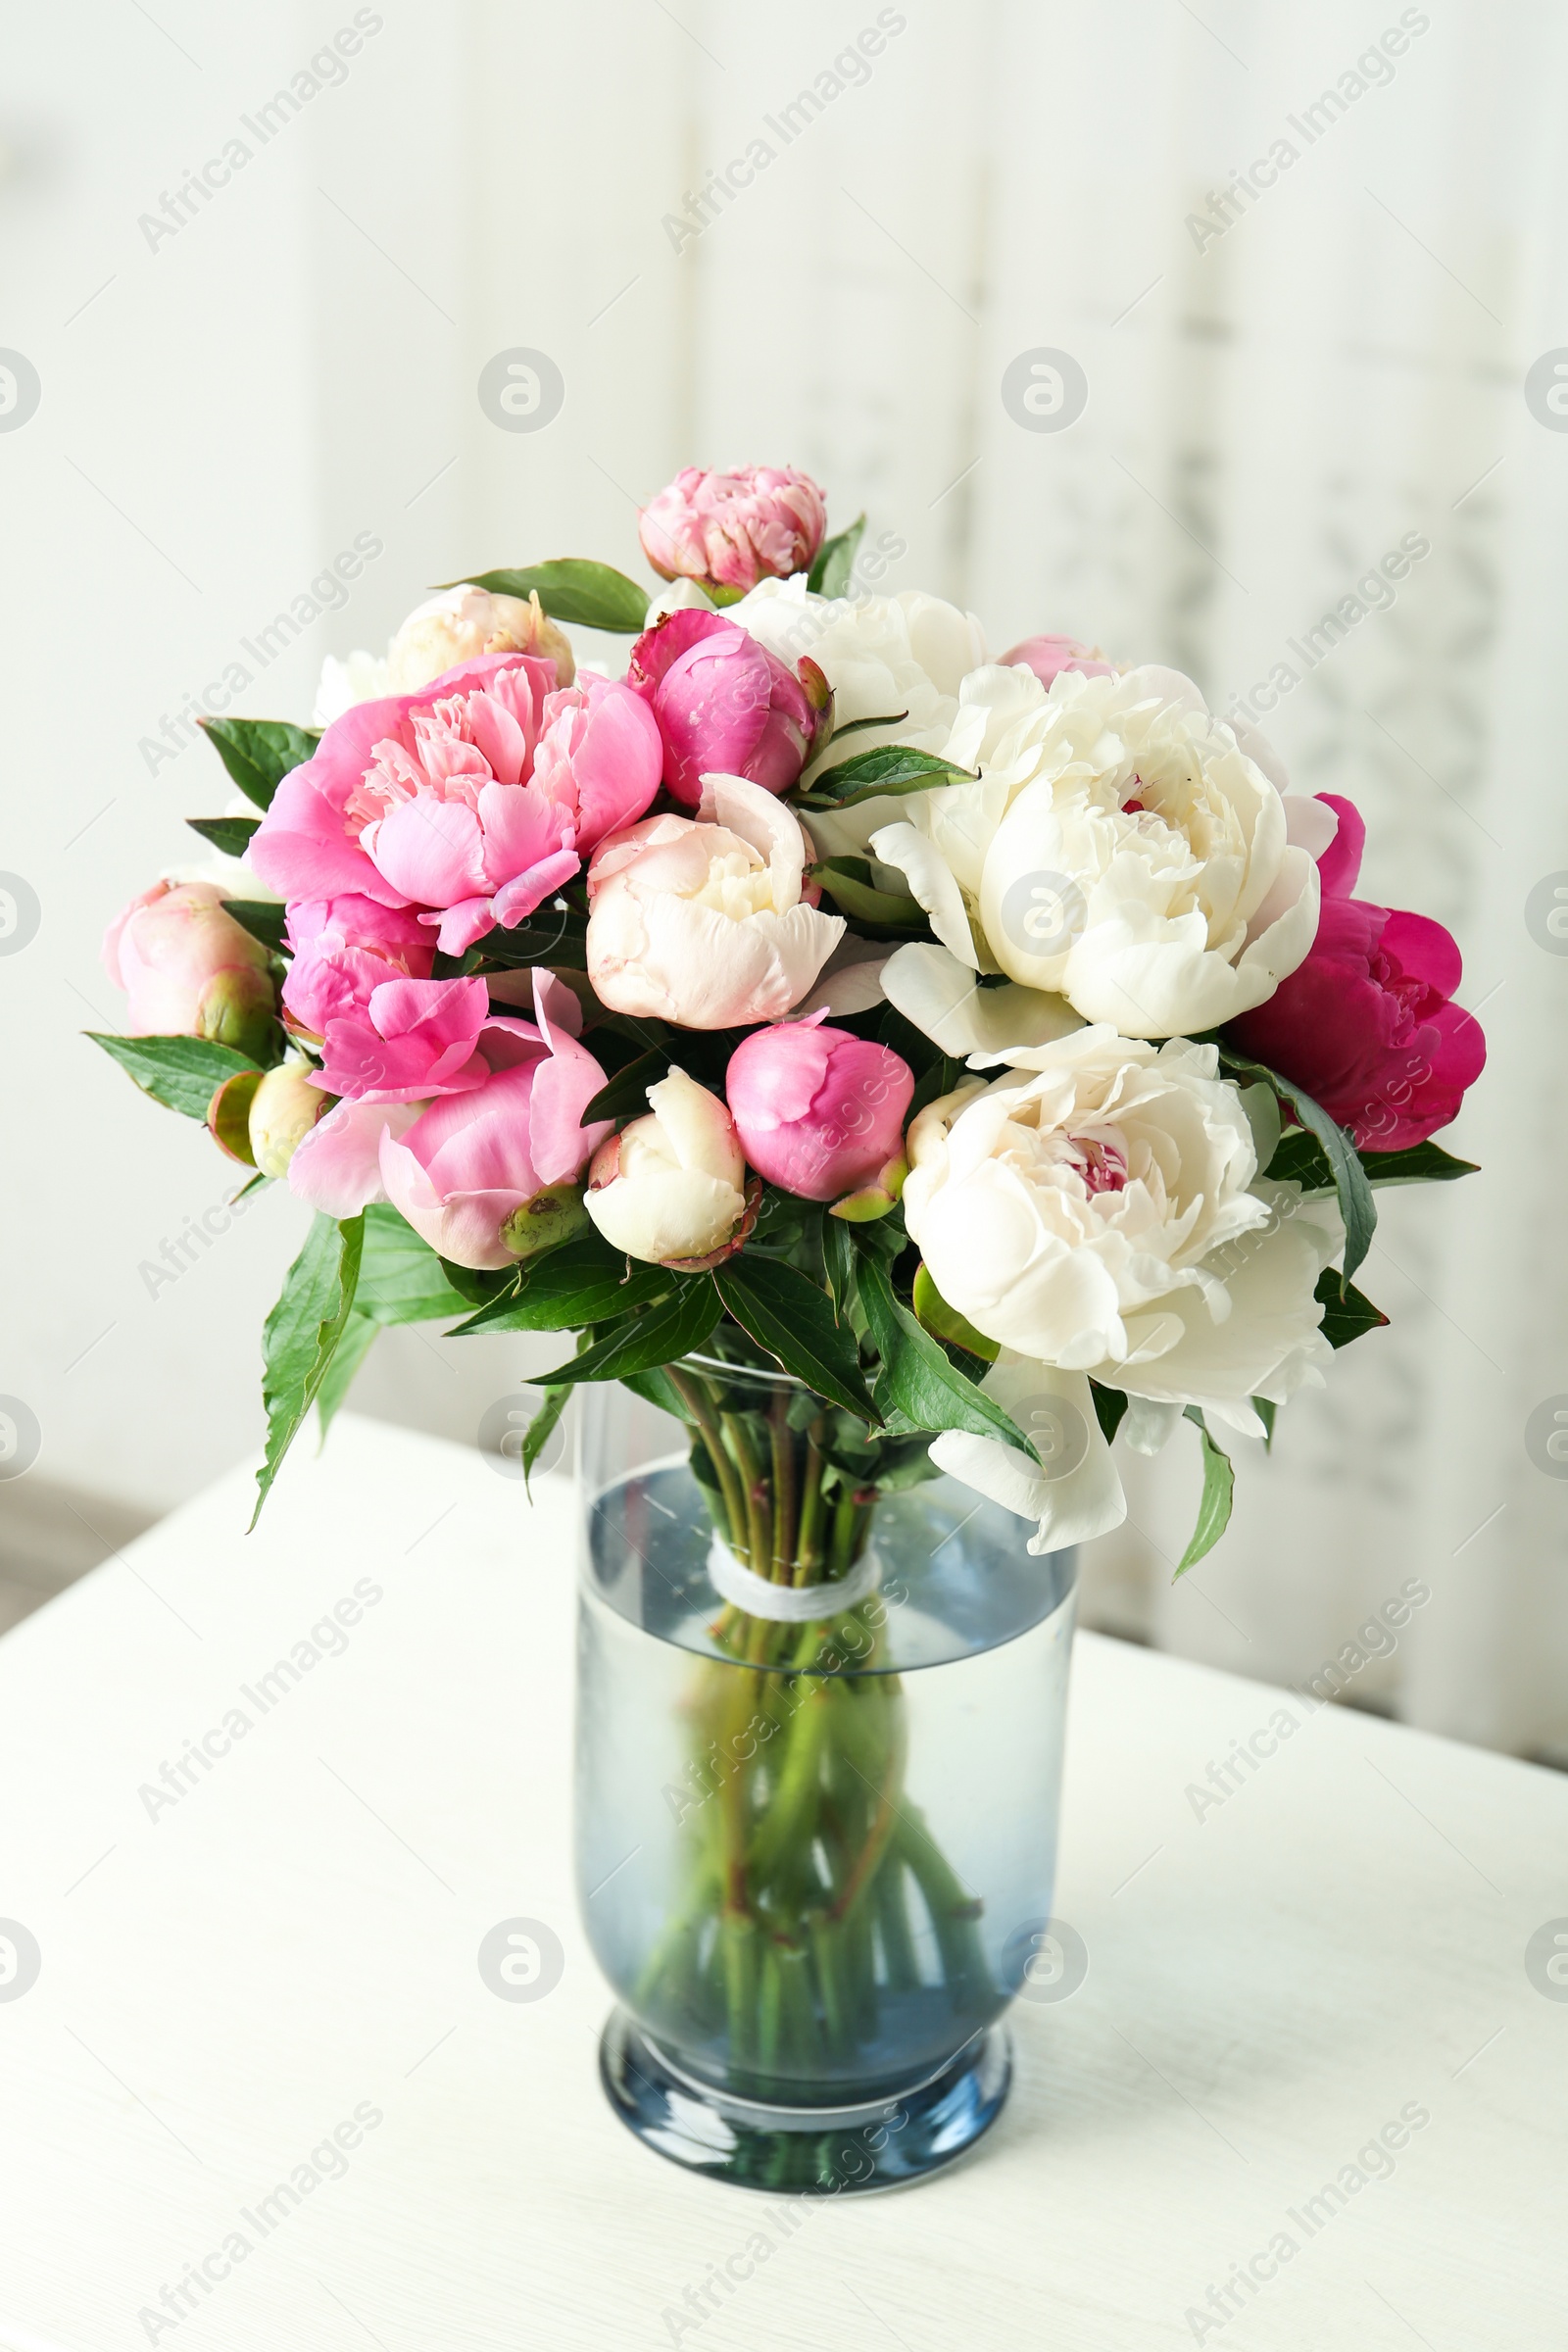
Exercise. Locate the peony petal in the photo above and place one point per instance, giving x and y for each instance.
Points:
(431, 850)
(1075, 1494)
(336, 1167)
(942, 999)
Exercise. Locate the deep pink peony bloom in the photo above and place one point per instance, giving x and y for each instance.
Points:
(1047, 657)
(189, 969)
(343, 948)
(1366, 1025)
(431, 801)
(479, 1176)
(818, 1110)
(410, 1040)
(726, 706)
(731, 530)
(528, 1083)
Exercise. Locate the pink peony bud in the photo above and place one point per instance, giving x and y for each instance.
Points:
(189, 969)
(731, 530)
(726, 706)
(671, 1188)
(820, 1112)
(1047, 657)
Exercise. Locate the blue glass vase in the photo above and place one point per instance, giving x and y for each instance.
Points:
(815, 1851)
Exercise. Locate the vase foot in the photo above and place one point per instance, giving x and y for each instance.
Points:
(805, 2151)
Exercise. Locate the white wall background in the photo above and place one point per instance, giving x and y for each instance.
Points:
(222, 413)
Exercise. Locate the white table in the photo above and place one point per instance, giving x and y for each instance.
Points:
(228, 1978)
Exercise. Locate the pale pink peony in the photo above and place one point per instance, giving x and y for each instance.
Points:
(707, 924)
(671, 1188)
(818, 1110)
(731, 530)
(724, 704)
(189, 969)
(430, 800)
(1049, 657)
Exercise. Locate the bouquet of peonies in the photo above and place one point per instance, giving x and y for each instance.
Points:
(993, 1045)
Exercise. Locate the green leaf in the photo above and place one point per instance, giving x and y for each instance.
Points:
(1265, 1408)
(1421, 1163)
(645, 1342)
(892, 768)
(1110, 1406)
(943, 1322)
(840, 1259)
(861, 726)
(627, 1094)
(263, 918)
(302, 1333)
(1214, 1507)
(845, 883)
(349, 1354)
(786, 1313)
(402, 1280)
(916, 1378)
(1356, 1205)
(552, 935)
(230, 834)
(593, 596)
(829, 575)
(1347, 1315)
(585, 1281)
(259, 753)
(184, 1073)
(542, 1428)
(1300, 1158)
(477, 1285)
(656, 1388)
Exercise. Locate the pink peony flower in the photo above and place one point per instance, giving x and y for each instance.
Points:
(724, 704)
(711, 925)
(459, 1176)
(818, 1110)
(410, 1040)
(430, 800)
(731, 530)
(1366, 1025)
(189, 969)
(1047, 657)
(488, 1177)
(343, 948)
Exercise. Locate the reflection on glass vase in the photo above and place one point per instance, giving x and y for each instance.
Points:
(821, 1711)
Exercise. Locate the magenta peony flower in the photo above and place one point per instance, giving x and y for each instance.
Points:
(343, 948)
(431, 800)
(1366, 1025)
(731, 530)
(1047, 657)
(489, 1176)
(724, 704)
(818, 1110)
(189, 969)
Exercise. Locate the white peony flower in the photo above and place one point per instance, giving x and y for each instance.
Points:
(1099, 1209)
(1120, 850)
(360, 677)
(881, 655)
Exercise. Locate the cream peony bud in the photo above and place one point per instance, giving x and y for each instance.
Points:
(462, 624)
(284, 1109)
(671, 1188)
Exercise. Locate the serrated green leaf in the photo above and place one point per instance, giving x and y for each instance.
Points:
(358, 1332)
(1356, 1205)
(302, 1333)
(1214, 1505)
(1347, 1315)
(591, 596)
(402, 1280)
(230, 834)
(892, 768)
(263, 918)
(1420, 1163)
(585, 1281)
(184, 1073)
(829, 575)
(644, 1342)
(259, 753)
(916, 1380)
(786, 1313)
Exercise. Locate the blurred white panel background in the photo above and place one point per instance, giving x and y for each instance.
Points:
(1282, 383)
